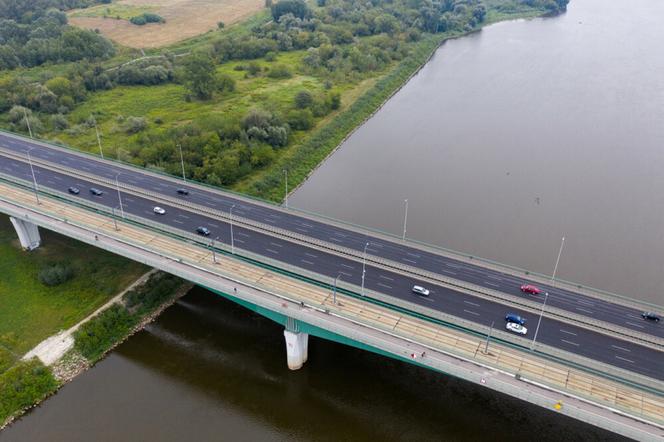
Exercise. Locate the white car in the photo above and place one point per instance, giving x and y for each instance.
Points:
(420, 290)
(516, 328)
(158, 210)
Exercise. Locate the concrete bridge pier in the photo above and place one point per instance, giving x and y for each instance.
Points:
(297, 345)
(28, 233)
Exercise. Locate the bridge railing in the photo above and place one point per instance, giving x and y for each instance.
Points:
(464, 257)
(625, 377)
(583, 321)
(327, 307)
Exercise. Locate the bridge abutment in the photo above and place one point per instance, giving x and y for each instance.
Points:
(28, 233)
(297, 345)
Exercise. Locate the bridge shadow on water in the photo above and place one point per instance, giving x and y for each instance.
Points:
(209, 369)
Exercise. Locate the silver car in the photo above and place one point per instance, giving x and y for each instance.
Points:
(158, 210)
(516, 328)
(420, 290)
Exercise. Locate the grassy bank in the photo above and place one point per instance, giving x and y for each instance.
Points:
(23, 385)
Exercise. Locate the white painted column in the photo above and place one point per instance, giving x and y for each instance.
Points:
(297, 348)
(28, 233)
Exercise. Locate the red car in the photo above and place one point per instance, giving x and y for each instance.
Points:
(529, 288)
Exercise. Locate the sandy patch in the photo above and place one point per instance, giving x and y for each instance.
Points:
(184, 19)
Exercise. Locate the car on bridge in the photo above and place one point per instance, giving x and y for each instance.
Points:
(419, 290)
(158, 210)
(530, 289)
(96, 192)
(182, 192)
(74, 190)
(204, 231)
(516, 328)
(516, 319)
(650, 316)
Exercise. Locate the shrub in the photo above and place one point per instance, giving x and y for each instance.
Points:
(301, 119)
(279, 71)
(135, 125)
(145, 18)
(98, 335)
(303, 99)
(55, 274)
(23, 385)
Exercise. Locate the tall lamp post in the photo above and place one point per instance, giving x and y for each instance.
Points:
(539, 321)
(101, 152)
(27, 122)
(555, 268)
(117, 185)
(405, 219)
(334, 292)
(364, 266)
(184, 178)
(286, 186)
(34, 178)
(214, 255)
(230, 216)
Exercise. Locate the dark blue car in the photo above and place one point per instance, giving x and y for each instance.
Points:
(513, 317)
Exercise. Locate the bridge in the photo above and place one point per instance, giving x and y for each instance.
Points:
(594, 358)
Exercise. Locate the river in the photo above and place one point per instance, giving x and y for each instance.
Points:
(507, 140)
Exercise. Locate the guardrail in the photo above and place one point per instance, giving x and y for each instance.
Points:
(463, 257)
(570, 359)
(330, 310)
(579, 320)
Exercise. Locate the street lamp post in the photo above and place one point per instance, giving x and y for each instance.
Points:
(286, 186)
(364, 266)
(117, 185)
(34, 178)
(101, 152)
(27, 122)
(115, 221)
(334, 292)
(546, 296)
(488, 337)
(184, 178)
(405, 219)
(214, 255)
(555, 268)
(230, 217)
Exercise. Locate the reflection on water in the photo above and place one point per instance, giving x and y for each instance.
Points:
(518, 135)
(208, 369)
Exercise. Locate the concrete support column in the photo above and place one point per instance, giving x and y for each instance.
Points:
(28, 233)
(297, 348)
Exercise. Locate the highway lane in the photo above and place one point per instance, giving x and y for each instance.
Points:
(616, 352)
(401, 253)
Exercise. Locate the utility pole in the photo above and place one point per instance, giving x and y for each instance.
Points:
(405, 219)
(184, 178)
(34, 178)
(101, 152)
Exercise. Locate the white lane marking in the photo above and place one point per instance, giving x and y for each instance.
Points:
(386, 277)
(178, 221)
(583, 310)
(409, 260)
(184, 216)
(238, 240)
(570, 342)
(621, 348)
(275, 244)
(347, 266)
(343, 235)
(239, 212)
(369, 249)
(634, 325)
(311, 255)
(454, 266)
(491, 283)
(472, 303)
(241, 234)
(55, 177)
(625, 359)
(216, 225)
(301, 230)
(307, 225)
(344, 273)
(384, 285)
(50, 182)
(472, 313)
(131, 200)
(307, 262)
(272, 215)
(272, 251)
(414, 255)
(380, 246)
(497, 278)
(450, 272)
(335, 239)
(582, 301)
(568, 332)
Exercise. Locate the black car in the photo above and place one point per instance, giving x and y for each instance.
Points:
(650, 316)
(74, 190)
(203, 231)
(96, 192)
(182, 191)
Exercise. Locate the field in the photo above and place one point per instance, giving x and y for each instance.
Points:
(31, 311)
(184, 19)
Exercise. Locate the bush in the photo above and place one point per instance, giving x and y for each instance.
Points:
(23, 385)
(98, 335)
(146, 18)
(303, 99)
(135, 125)
(301, 119)
(279, 71)
(55, 274)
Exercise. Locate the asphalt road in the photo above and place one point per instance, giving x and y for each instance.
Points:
(600, 347)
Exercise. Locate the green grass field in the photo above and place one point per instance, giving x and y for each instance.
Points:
(30, 311)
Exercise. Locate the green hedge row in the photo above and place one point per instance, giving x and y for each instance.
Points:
(312, 151)
(23, 385)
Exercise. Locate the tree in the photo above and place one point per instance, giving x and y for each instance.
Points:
(296, 7)
(200, 78)
(303, 99)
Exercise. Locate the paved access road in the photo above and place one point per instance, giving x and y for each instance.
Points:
(600, 347)
(401, 253)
